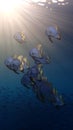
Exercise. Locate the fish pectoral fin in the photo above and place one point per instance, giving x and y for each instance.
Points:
(15, 72)
(40, 97)
(50, 39)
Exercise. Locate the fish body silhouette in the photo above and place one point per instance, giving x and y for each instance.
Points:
(12, 64)
(38, 57)
(20, 37)
(53, 32)
(43, 89)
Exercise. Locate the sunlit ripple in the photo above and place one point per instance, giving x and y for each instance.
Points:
(47, 2)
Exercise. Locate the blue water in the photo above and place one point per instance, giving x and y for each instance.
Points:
(19, 108)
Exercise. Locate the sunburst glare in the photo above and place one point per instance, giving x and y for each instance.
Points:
(8, 6)
(21, 15)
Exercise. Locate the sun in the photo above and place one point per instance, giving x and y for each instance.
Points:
(7, 6)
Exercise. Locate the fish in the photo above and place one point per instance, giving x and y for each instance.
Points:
(20, 37)
(42, 88)
(12, 64)
(38, 57)
(53, 32)
(45, 93)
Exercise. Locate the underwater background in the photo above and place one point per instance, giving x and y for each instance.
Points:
(19, 107)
